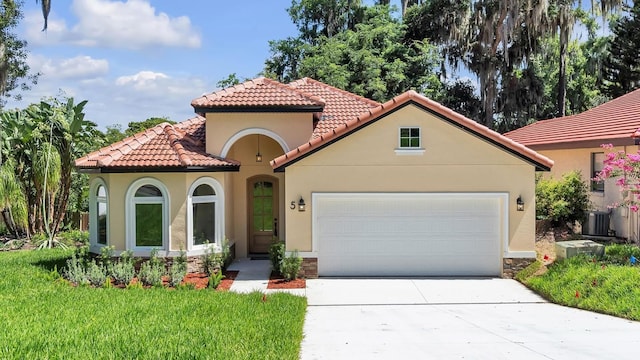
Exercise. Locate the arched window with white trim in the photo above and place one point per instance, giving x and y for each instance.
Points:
(205, 214)
(98, 214)
(147, 215)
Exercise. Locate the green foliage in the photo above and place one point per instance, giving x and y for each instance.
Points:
(562, 201)
(176, 275)
(14, 69)
(96, 274)
(106, 258)
(290, 266)
(75, 271)
(152, 270)
(123, 271)
(622, 65)
(621, 254)
(211, 261)
(215, 279)
(73, 237)
(600, 287)
(139, 126)
(276, 254)
(141, 324)
(229, 81)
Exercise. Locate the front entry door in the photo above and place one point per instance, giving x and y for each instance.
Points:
(263, 212)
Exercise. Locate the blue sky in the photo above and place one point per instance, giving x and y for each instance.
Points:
(134, 59)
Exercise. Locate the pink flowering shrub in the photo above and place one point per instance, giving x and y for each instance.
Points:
(626, 168)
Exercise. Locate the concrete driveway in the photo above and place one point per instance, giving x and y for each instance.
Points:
(454, 319)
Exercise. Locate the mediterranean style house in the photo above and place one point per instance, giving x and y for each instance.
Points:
(574, 142)
(359, 188)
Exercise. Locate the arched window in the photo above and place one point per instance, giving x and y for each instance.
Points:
(98, 214)
(147, 215)
(205, 214)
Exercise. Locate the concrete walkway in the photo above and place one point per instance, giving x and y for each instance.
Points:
(253, 275)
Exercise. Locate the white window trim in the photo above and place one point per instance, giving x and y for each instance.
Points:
(93, 212)
(130, 213)
(400, 150)
(218, 199)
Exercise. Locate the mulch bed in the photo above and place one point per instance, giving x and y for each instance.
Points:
(276, 281)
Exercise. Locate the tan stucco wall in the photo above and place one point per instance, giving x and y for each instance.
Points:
(454, 161)
(293, 128)
(177, 186)
(580, 159)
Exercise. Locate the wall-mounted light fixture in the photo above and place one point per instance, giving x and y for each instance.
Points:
(258, 155)
(519, 204)
(301, 205)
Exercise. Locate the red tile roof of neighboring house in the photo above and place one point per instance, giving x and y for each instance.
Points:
(618, 119)
(258, 93)
(163, 146)
(341, 106)
(541, 162)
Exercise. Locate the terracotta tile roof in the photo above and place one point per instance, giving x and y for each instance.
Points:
(163, 146)
(541, 162)
(615, 120)
(341, 106)
(257, 93)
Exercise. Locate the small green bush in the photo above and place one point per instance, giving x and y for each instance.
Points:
(176, 275)
(621, 254)
(106, 258)
(75, 271)
(123, 271)
(290, 266)
(215, 279)
(96, 274)
(276, 255)
(151, 271)
(73, 237)
(211, 261)
(563, 201)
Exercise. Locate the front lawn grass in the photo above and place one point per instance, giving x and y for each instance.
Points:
(589, 284)
(44, 318)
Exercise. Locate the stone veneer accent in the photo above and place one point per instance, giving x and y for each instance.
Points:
(309, 268)
(511, 266)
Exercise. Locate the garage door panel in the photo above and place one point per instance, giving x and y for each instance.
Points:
(408, 234)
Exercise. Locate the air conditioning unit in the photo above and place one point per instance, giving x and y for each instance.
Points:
(598, 223)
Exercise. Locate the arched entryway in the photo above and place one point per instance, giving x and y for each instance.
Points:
(262, 212)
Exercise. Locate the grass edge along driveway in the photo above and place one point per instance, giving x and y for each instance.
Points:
(43, 317)
(588, 283)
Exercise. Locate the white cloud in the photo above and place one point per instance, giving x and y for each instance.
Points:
(144, 80)
(131, 24)
(79, 67)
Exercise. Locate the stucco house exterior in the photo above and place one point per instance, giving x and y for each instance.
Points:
(359, 188)
(574, 143)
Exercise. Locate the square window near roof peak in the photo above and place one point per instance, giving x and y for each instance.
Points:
(409, 138)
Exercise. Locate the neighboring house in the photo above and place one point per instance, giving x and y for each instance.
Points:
(574, 143)
(359, 188)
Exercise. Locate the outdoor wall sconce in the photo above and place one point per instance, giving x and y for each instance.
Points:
(519, 204)
(301, 205)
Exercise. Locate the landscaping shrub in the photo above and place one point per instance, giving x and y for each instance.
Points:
(211, 261)
(75, 270)
(215, 279)
(72, 237)
(106, 258)
(123, 271)
(290, 266)
(151, 271)
(622, 254)
(96, 274)
(276, 254)
(563, 201)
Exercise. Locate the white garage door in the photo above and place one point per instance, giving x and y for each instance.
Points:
(409, 234)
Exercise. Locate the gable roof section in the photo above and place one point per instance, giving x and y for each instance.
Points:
(164, 147)
(259, 94)
(341, 106)
(411, 97)
(616, 121)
